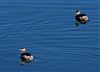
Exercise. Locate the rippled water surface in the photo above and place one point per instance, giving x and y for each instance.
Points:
(47, 29)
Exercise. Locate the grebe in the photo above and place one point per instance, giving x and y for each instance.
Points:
(25, 56)
(81, 18)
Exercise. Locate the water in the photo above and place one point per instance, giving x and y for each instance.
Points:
(47, 29)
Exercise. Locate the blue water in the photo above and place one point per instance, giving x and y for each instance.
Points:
(47, 29)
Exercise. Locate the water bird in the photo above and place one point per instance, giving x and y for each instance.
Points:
(81, 18)
(25, 56)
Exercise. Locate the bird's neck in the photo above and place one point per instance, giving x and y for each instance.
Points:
(77, 13)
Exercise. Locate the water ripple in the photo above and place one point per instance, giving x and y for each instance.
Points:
(47, 29)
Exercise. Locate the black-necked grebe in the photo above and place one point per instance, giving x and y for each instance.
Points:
(25, 56)
(81, 18)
